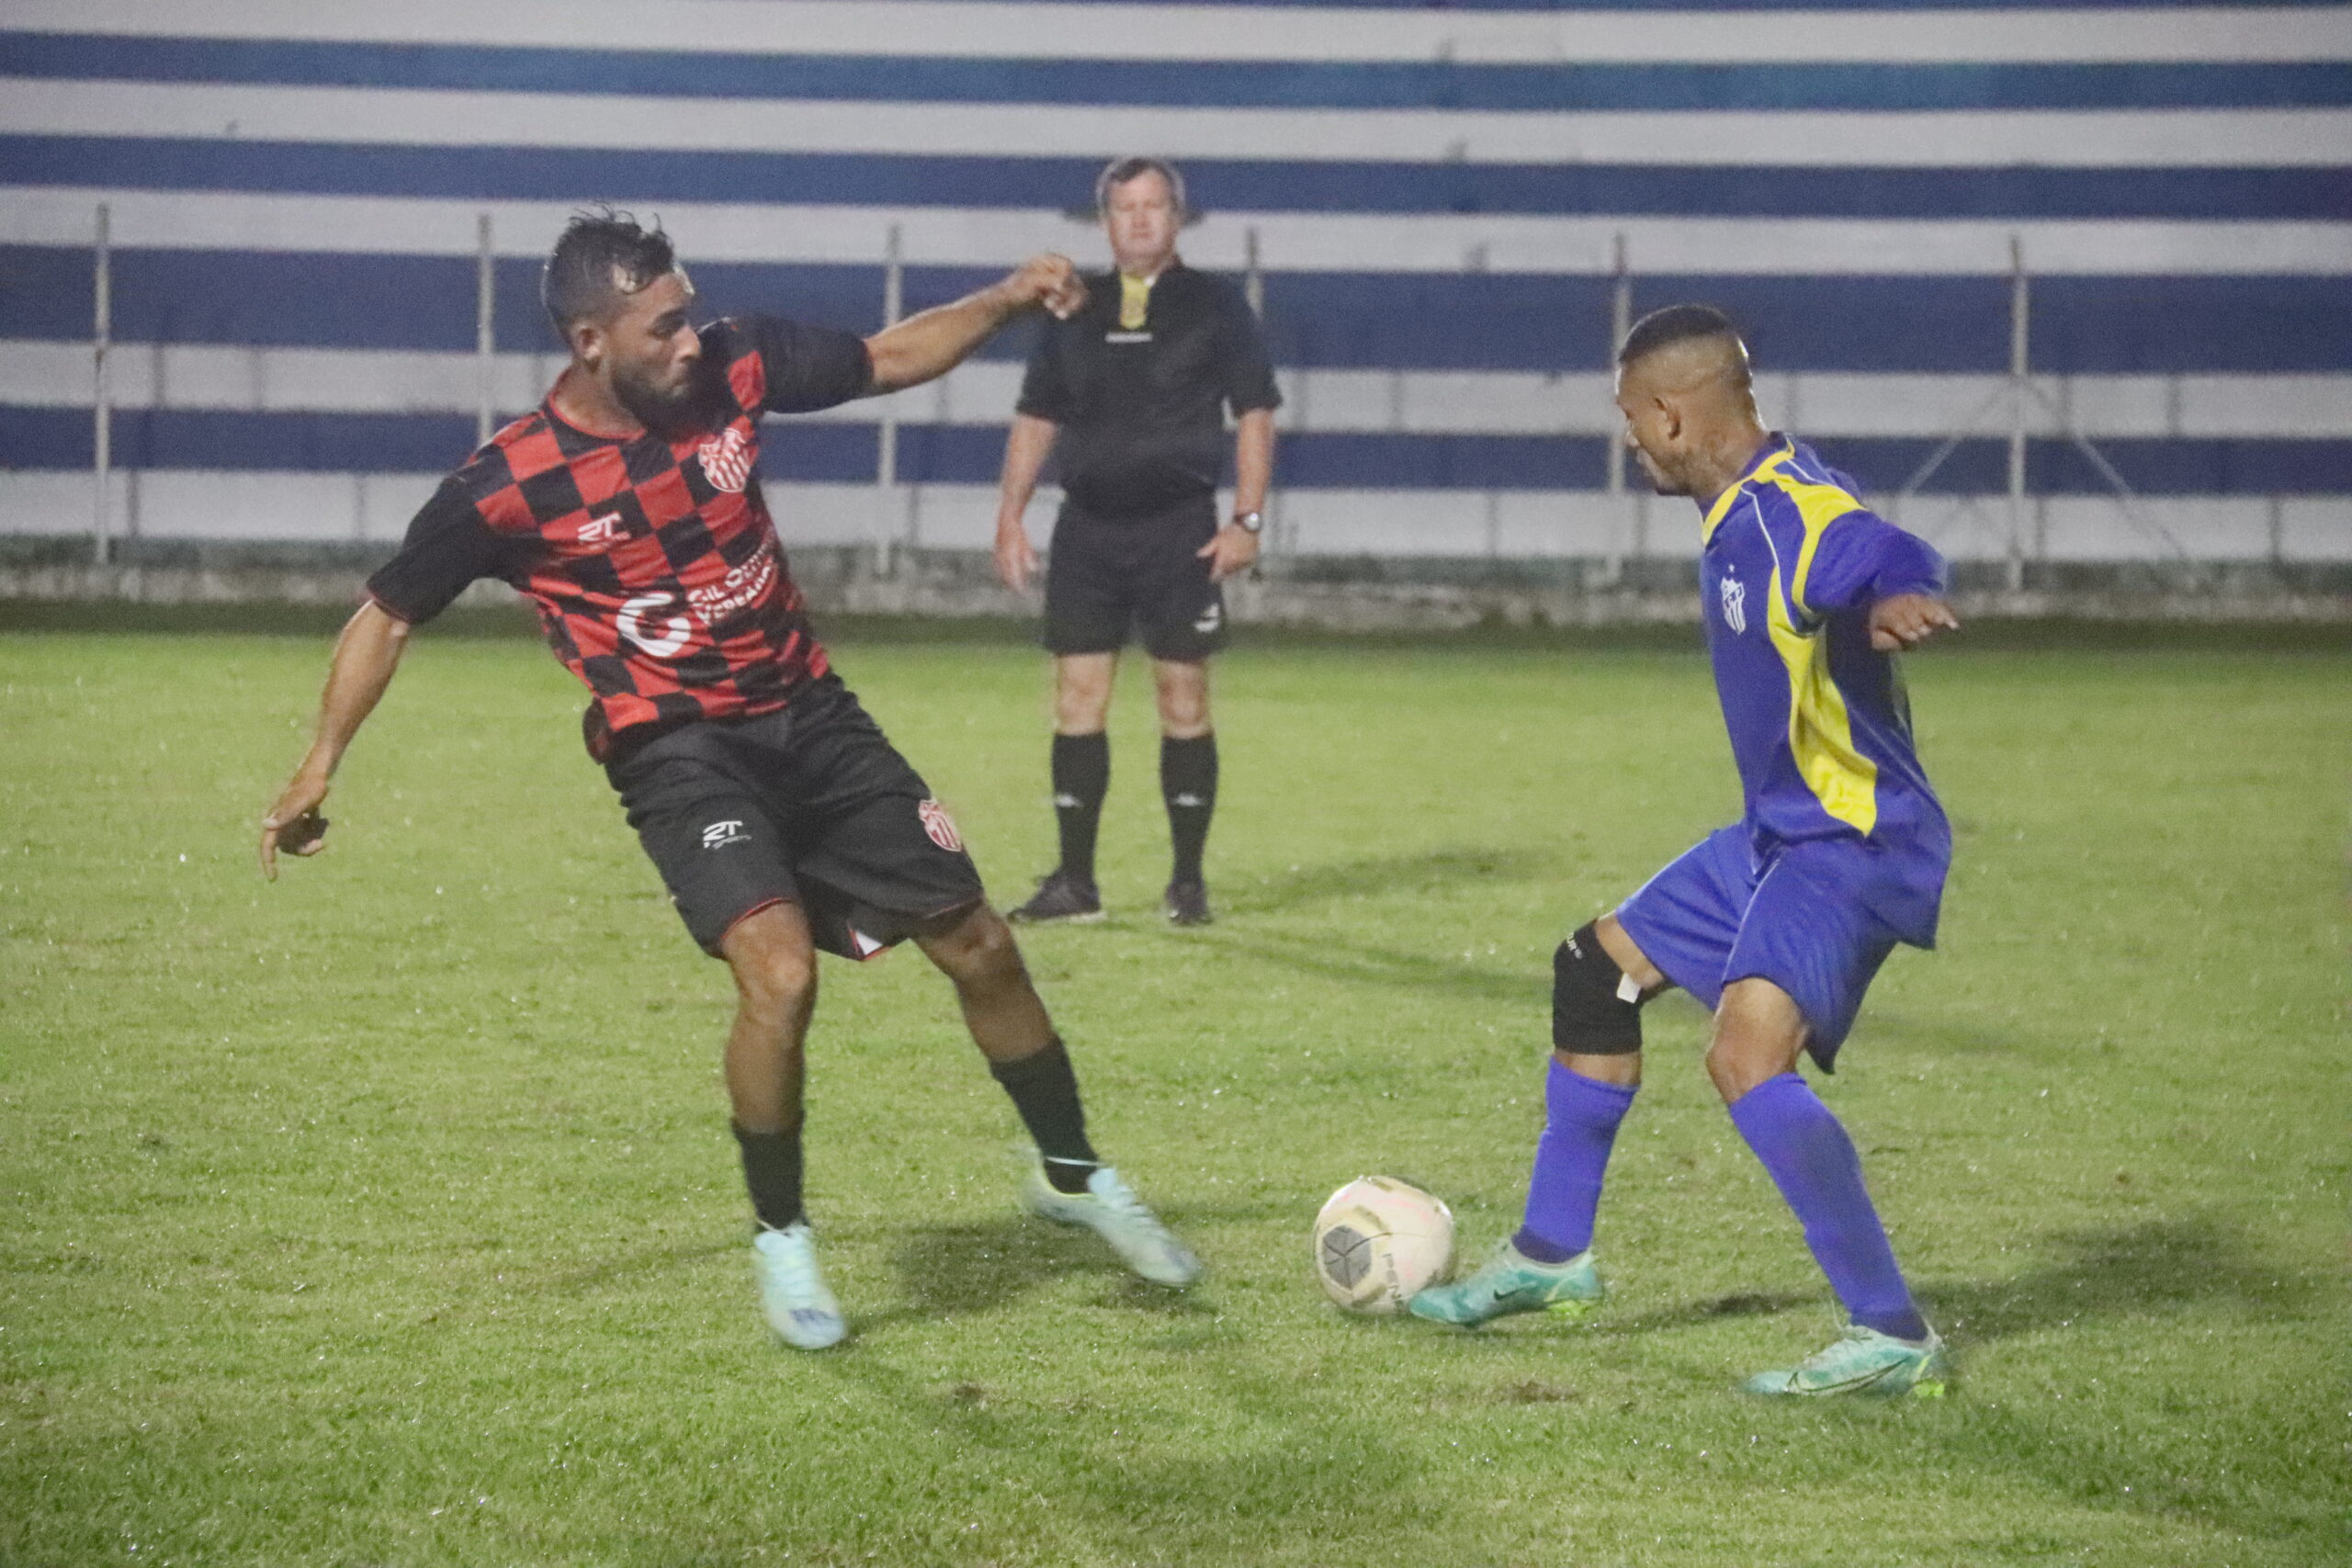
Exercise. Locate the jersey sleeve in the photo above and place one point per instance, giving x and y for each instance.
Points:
(448, 546)
(1248, 375)
(807, 367)
(1861, 558)
(1045, 388)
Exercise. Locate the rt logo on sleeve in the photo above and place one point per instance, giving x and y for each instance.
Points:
(719, 835)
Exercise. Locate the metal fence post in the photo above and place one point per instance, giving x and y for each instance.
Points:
(102, 393)
(1621, 322)
(485, 333)
(2021, 388)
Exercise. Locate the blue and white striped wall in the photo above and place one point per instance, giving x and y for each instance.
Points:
(1437, 198)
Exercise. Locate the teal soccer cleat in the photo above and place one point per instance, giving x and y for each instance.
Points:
(1111, 1210)
(1863, 1361)
(1510, 1281)
(792, 1291)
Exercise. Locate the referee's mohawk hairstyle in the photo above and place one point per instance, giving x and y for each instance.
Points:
(1683, 323)
(603, 257)
(1119, 170)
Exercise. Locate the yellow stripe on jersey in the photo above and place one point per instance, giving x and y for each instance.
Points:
(1134, 302)
(1821, 731)
(1730, 497)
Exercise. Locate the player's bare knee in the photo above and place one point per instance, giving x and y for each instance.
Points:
(1595, 1006)
(1758, 1033)
(1182, 693)
(975, 947)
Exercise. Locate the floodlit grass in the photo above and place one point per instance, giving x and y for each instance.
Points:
(388, 1217)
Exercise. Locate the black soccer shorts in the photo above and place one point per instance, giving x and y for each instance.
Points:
(1108, 579)
(812, 806)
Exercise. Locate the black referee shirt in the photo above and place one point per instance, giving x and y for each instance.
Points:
(1142, 409)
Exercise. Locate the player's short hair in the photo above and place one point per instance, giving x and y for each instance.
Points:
(602, 257)
(1676, 323)
(1119, 170)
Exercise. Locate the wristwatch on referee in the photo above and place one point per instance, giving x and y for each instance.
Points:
(1250, 521)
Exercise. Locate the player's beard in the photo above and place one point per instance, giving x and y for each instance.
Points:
(665, 411)
(1661, 482)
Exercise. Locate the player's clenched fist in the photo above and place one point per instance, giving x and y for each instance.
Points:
(1907, 620)
(1050, 280)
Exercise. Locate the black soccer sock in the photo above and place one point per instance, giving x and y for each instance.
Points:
(1082, 778)
(771, 1171)
(1188, 783)
(1045, 1090)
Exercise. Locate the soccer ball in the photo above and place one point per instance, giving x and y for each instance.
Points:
(1378, 1240)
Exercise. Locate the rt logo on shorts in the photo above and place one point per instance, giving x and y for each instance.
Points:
(719, 835)
(940, 826)
(1735, 605)
(1211, 618)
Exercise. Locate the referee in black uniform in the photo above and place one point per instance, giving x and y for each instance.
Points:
(1132, 391)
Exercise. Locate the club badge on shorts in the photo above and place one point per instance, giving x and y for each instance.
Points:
(940, 826)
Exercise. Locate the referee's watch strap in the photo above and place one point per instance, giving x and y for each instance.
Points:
(1250, 521)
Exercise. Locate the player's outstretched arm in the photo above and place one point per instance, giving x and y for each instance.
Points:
(365, 656)
(1026, 447)
(1907, 620)
(926, 346)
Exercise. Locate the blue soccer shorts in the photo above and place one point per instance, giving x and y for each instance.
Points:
(1802, 916)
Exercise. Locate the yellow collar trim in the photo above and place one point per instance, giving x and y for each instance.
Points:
(1730, 497)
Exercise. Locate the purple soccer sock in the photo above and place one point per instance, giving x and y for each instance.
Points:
(1579, 1126)
(1813, 1162)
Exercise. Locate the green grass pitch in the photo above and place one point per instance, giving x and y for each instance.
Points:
(386, 1215)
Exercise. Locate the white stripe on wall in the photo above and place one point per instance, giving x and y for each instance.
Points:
(1288, 242)
(2127, 139)
(57, 374)
(1209, 32)
(375, 508)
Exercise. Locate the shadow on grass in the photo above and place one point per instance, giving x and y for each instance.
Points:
(2153, 1267)
(1380, 875)
(960, 1270)
(1328, 958)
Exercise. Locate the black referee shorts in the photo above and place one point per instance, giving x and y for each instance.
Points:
(812, 806)
(1109, 578)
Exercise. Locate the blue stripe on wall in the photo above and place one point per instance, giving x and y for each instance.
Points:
(1341, 321)
(526, 174)
(60, 440)
(1372, 85)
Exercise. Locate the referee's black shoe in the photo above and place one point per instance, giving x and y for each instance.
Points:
(1188, 904)
(1060, 897)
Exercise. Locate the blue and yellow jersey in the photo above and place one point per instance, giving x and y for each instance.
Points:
(1820, 727)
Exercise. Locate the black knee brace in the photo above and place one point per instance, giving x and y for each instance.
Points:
(1596, 1010)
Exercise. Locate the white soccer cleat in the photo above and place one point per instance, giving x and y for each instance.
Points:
(1111, 1210)
(792, 1288)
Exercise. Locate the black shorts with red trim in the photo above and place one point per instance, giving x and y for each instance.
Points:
(811, 806)
(1108, 579)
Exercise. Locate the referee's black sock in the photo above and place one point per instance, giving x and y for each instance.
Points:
(1045, 1090)
(1188, 782)
(1082, 778)
(771, 1170)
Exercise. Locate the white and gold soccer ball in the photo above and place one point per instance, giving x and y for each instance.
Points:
(1378, 1240)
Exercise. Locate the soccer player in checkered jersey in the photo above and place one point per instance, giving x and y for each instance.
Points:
(627, 508)
(1780, 921)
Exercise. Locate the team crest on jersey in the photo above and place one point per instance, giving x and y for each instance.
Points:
(940, 826)
(727, 460)
(1735, 605)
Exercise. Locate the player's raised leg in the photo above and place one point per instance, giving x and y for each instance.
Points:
(775, 963)
(975, 949)
(1889, 1349)
(1599, 979)
(1082, 778)
(1187, 780)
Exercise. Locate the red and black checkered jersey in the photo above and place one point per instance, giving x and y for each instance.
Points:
(652, 558)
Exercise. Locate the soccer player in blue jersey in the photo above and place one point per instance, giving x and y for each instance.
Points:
(1779, 921)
